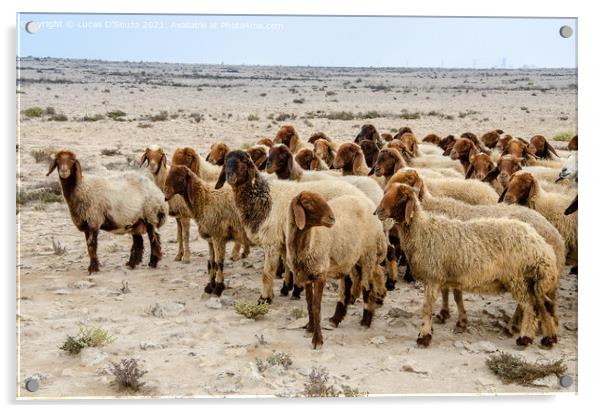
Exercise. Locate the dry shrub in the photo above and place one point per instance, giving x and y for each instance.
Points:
(513, 369)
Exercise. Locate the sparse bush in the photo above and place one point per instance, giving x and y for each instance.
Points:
(58, 118)
(93, 118)
(162, 116)
(285, 116)
(513, 369)
(128, 374)
(33, 112)
(317, 385)
(110, 152)
(462, 115)
(50, 111)
(86, 337)
(277, 358)
(299, 101)
(563, 136)
(42, 155)
(253, 311)
(58, 248)
(342, 115)
(41, 195)
(409, 115)
(196, 117)
(116, 115)
(252, 117)
(297, 313)
(142, 125)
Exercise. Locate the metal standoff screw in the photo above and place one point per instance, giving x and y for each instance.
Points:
(566, 381)
(32, 385)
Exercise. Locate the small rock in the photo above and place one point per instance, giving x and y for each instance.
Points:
(62, 292)
(82, 284)
(397, 312)
(548, 381)
(378, 340)
(166, 309)
(149, 345)
(214, 303)
(91, 356)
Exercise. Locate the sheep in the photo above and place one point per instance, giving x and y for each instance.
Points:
(217, 154)
(259, 155)
(502, 143)
(431, 138)
(473, 138)
(215, 215)
(308, 160)
(520, 149)
(469, 191)
(126, 204)
(156, 159)
(463, 150)
(542, 148)
(370, 151)
(351, 161)
(328, 239)
(409, 145)
(369, 132)
(480, 164)
(572, 208)
(446, 144)
(569, 169)
(572, 145)
(453, 208)
(318, 135)
(490, 139)
(265, 141)
(524, 189)
(262, 206)
(403, 130)
(485, 255)
(188, 156)
(387, 163)
(288, 136)
(387, 137)
(325, 150)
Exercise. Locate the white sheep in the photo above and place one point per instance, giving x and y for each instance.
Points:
(129, 203)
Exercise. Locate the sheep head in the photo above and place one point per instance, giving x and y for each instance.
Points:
(490, 139)
(369, 132)
(540, 146)
(410, 177)
(324, 150)
(310, 209)
(447, 144)
(480, 165)
(318, 135)
(463, 149)
(399, 203)
(409, 143)
(506, 166)
(259, 156)
(178, 182)
(387, 137)
(265, 141)
(218, 153)
(402, 131)
(306, 159)
(387, 163)
(187, 157)
(280, 161)
(432, 138)
(287, 136)
(238, 170)
(519, 148)
(370, 151)
(155, 157)
(522, 189)
(67, 164)
(348, 158)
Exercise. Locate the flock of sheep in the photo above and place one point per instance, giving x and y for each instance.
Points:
(487, 215)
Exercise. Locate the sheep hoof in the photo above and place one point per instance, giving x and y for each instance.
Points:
(131, 264)
(210, 287)
(574, 270)
(408, 278)
(317, 341)
(296, 293)
(390, 285)
(284, 290)
(366, 319)
(186, 259)
(154, 260)
(524, 341)
(334, 322)
(178, 257)
(263, 300)
(93, 267)
(442, 317)
(424, 340)
(548, 342)
(460, 327)
(218, 289)
(379, 301)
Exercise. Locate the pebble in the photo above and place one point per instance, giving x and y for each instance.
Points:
(548, 381)
(166, 309)
(396, 312)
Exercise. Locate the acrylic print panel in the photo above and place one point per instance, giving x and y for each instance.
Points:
(119, 294)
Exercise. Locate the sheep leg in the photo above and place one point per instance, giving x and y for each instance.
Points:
(136, 252)
(180, 248)
(155, 242)
(343, 301)
(92, 244)
(246, 250)
(356, 285)
(309, 299)
(528, 324)
(546, 311)
(235, 255)
(219, 246)
(368, 313)
(444, 314)
(391, 264)
(513, 324)
(297, 289)
(317, 339)
(378, 280)
(462, 318)
(185, 240)
(210, 268)
(270, 264)
(407, 276)
(426, 332)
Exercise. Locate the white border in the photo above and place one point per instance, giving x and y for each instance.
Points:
(591, 143)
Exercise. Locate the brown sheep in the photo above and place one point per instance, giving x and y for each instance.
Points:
(309, 161)
(318, 135)
(542, 148)
(572, 146)
(409, 145)
(387, 163)
(490, 139)
(350, 159)
(520, 149)
(325, 150)
(463, 150)
(369, 132)
(447, 144)
(480, 165)
(432, 138)
(370, 150)
(259, 155)
(288, 136)
(281, 162)
(402, 130)
(217, 153)
(387, 137)
(265, 141)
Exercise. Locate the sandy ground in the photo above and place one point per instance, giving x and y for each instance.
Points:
(195, 349)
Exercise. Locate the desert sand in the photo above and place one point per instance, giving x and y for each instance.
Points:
(199, 346)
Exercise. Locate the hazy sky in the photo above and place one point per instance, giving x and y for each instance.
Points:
(301, 40)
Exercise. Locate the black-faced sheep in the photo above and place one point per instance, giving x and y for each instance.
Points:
(370, 133)
(486, 255)
(126, 204)
(328, 240)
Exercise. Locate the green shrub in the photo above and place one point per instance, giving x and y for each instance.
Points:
(93, 118)
(253, 311)
(162, 116)
(42, 155)
(86, 337)
(33, 112)
(252, 117)
(116, 114)
(59, 118)
(563, 136)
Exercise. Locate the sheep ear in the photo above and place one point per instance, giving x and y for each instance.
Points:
(419, 185)
(551, 149)
(532, 193)
(357, 162)
(78, 171)
(163, 162)
(502, 195)
(221, 180)
(52, 167)
(208, 155)
(195, 166)
(289, 163)
(469, 171)
(298, 213)
(143, 159)
(261, 161)
(572, 207)
(490, 177)
(398, 165)
(189, 189)
(371, 171)
(448, 150)
(409, 212)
